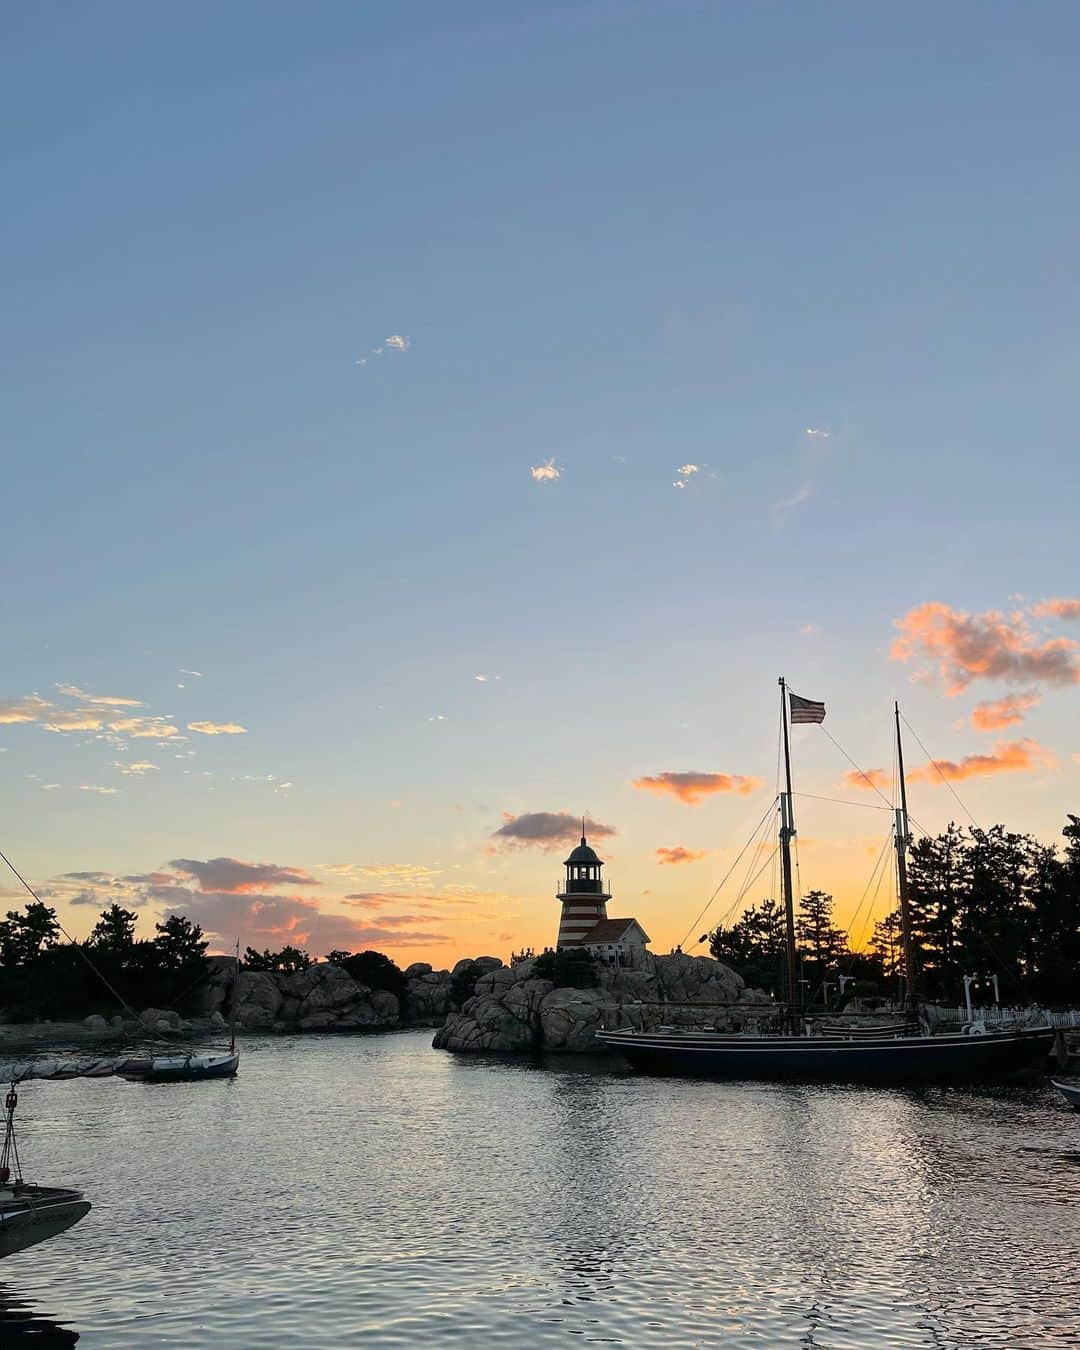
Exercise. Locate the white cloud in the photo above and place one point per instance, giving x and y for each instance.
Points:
(781, 508)
(546, 472)
(103, 700)
(396, 342)
(481, 678)
(137, 768)
(687, 470)
(819, 432)
(217, 728)
(197, 673)
(678, 483)
(102, 791)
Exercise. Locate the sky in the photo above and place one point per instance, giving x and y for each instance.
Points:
(425, 425)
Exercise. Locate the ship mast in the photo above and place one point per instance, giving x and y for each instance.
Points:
(787, 831)
(902, 835)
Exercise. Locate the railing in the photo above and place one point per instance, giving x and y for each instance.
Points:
(1069, 1017)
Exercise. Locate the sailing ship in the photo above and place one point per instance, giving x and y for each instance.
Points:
(28, 1213)
(805, 1049)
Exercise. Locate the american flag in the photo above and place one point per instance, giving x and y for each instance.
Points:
(805, 710)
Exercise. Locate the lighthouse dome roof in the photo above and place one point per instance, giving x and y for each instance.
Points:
(583, 854)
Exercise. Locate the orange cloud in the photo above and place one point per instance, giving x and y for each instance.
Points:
(678, 854)
(691, 786)
(1003, 712)
(546, 830)
(217, 728)
(1008, 757)
(987, 646)
(1058, 609)
(869, 781)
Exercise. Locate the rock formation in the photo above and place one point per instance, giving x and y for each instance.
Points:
(512, 1011)
(321, 998)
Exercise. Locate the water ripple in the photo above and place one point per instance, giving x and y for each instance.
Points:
(371, 1189)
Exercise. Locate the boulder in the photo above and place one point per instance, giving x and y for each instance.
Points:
(385, 1006)
(95, 1022)
(571, 1017)
(255, 1018)
(258, 989)
(151, 1018)
(332, 989)
(217, 1022)
(417, 969)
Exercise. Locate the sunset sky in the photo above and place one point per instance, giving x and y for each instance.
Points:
(430, 423)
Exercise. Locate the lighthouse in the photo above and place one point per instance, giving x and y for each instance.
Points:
(583, 898)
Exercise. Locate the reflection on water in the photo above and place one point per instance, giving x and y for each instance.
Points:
(23, 1325)
(370, 1188)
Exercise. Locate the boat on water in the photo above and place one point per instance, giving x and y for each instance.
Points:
(808, 1048)
(1070, 1091)
(28, 1213)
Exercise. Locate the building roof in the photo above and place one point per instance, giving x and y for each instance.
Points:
(610, 930)
(583, 854)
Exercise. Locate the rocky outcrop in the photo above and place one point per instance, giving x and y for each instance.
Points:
(321, 998)
(428, 999)
(511, 1010)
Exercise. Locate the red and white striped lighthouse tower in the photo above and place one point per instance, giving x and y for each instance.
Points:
(584, 900)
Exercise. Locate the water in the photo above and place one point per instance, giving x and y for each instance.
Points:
(370, 1189)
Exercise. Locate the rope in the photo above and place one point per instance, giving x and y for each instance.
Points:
(840, 801)
(937, 768)
(78, 946)
(861, 772)
(708, 905)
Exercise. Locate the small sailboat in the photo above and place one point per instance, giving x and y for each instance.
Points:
(192, 1067)
(30, 1214)
(805, 1049)
(1070, 1091)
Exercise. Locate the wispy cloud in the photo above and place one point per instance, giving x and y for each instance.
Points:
(547, 472)
(969, 647)
(810, 630)
(396, 342)
(137, 768)
(197, 673)
(782, 509)
(1008, 757)
(819, 433)
(668, 857)
(101, 791)
(1058, 609)
(1003, 712)
(546, 830)
(103, 700)
(868, 780)
(217, 728)
(396, 873)
(691, 786)
(28, 709)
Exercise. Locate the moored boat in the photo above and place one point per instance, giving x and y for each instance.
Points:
(805, 1047)
(29, 1214)
(1070, 1091)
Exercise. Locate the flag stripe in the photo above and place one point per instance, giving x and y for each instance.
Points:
(805, 710)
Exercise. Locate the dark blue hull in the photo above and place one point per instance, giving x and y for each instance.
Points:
(900, 1059)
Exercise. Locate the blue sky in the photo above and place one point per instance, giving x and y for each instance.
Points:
(619, 238)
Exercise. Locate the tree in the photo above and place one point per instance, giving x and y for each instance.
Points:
(568, 967)
(24, 936)
(375, 970)
(114, 932)
(179, 943)
(288, 961)
(814, 927)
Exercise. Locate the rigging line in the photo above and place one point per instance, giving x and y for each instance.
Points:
(858, 770)
(723, 879)
(934, 762)
(78, 946)
(729, 912)
(840, 801)
(866, 890)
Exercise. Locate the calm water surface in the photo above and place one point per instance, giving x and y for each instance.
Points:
(371, 1189)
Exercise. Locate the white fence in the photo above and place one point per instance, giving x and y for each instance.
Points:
(1068, 1018)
